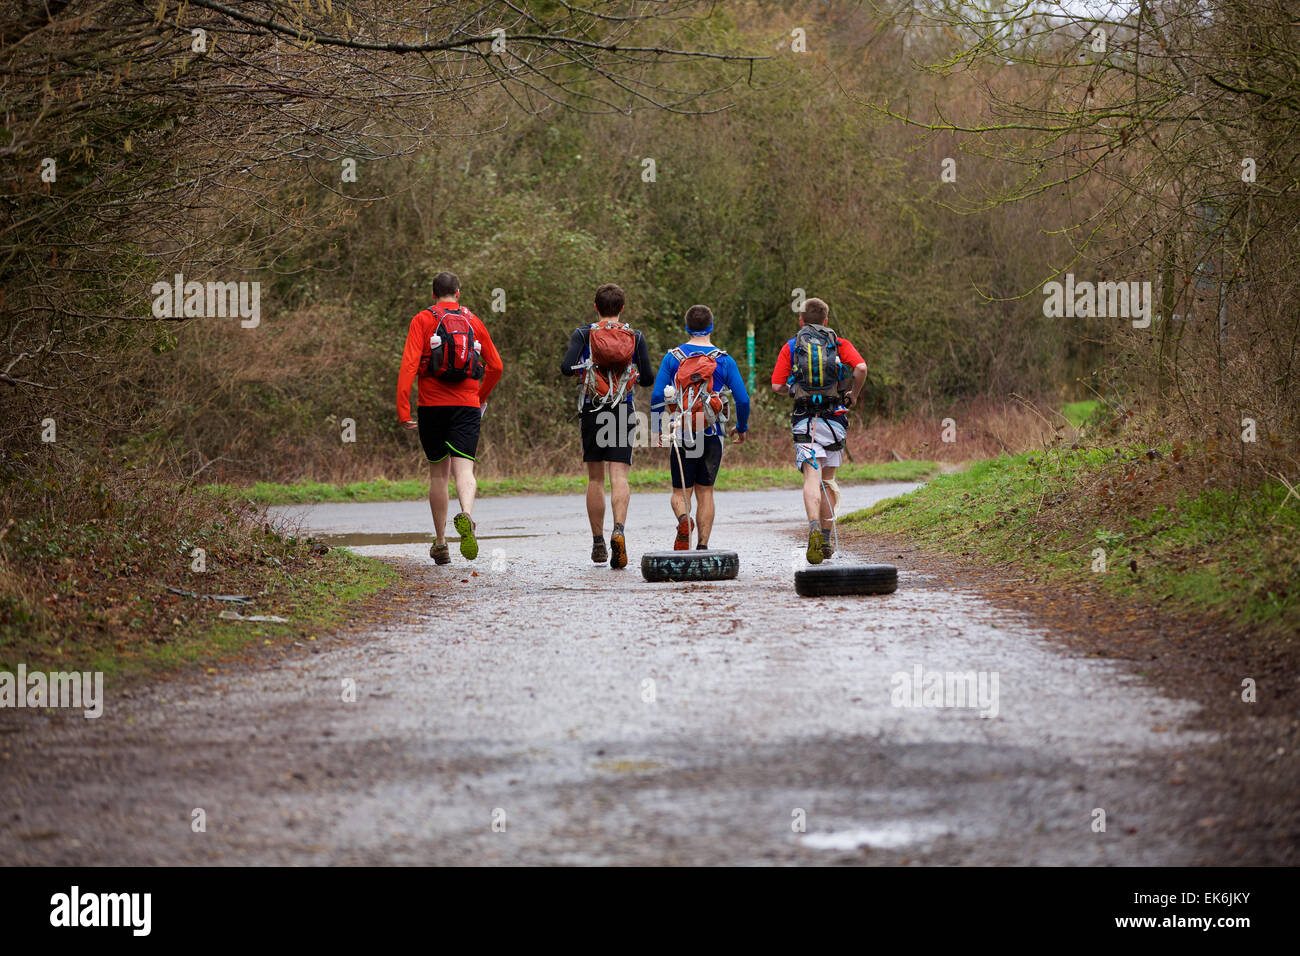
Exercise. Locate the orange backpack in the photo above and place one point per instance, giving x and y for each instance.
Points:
(611, 370)
(699, 405)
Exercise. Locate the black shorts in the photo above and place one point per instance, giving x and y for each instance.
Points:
(608, 434)
(449, 430)
(701, 469)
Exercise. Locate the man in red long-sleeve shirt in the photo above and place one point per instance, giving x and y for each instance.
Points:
(820, 429)
(449, 413)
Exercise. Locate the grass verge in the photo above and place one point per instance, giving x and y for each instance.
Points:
(651, 479)
(1070, 514)
(315, 596)
(313, 600)
(1079, 413)
(87, 560)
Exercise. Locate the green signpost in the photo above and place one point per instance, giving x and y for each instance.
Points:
(749, 356)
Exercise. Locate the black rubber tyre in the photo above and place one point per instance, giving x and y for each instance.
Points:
(843, 579)
(689, 565)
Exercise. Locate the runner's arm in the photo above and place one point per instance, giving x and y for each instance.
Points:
(492, 364)
(781, 374)
(642, 358)
(577, 342)
(407, 369)
(736, 382)
(853, 357)
(658, 420)
(859, 380)
(667, 369)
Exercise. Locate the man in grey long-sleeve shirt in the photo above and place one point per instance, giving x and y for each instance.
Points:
(607, 433)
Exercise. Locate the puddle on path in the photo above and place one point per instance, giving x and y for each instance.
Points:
(404, 537)
(627, 766)
(885, 836)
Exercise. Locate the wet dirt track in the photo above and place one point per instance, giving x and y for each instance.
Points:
(597, 718)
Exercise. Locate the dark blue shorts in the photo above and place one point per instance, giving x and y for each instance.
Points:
(701, 469)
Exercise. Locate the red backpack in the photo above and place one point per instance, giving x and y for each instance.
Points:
(611, 370)
(453, 354)
(694, 396)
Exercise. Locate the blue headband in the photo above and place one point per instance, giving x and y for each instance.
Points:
(701, 331)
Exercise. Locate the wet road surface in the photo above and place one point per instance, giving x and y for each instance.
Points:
(548, 710)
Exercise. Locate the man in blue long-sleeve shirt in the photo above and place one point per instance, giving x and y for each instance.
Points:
(696, 470)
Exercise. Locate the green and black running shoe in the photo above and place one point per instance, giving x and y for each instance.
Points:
(465, 528)
(816, 541)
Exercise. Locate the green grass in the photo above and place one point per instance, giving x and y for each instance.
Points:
(730, 479)
(1078, 413)
(313, 603)
(1220, 551)
(313, 598)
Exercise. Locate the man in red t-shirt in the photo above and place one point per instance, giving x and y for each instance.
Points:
(449, 412)
(819, 431)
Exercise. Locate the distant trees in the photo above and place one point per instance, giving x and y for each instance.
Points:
(337, 153)
(141, 140)
(1172, 128)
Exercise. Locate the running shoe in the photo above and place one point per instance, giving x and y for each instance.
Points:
(465, 528)
(815, 545)
(685, 525)
(598, 553)
(440, 553)
(617, 549)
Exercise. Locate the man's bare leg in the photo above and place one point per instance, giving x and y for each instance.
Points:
(827, 509)
(462, 469)
(812, 491)
(596, 497)
(681, 502)
(619, 492)
(439, 472)
(704, 512)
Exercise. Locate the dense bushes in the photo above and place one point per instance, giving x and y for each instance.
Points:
(795, 187)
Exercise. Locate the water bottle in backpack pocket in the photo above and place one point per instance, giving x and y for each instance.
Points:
(455, 353)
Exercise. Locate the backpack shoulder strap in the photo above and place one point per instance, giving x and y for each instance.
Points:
(678, 354)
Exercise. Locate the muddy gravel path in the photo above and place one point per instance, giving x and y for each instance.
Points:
(547, 710)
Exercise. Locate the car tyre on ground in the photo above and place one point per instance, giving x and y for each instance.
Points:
(690, 565)
(846, 579)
